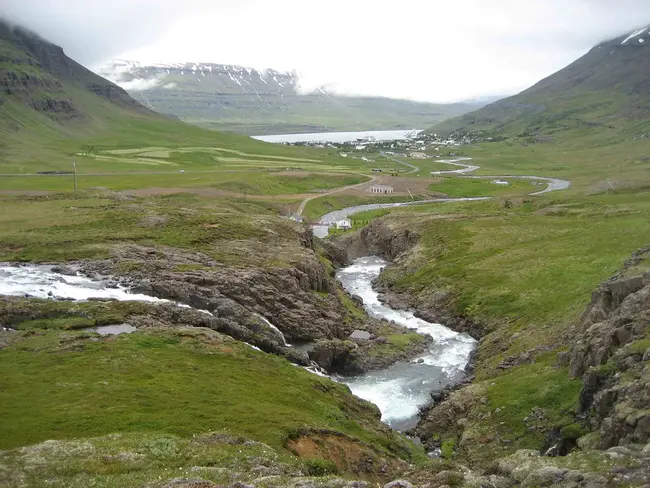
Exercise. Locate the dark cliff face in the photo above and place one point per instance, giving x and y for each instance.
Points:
(37, 71)
(611, 354)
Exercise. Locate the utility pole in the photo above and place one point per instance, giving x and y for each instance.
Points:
(74, 172)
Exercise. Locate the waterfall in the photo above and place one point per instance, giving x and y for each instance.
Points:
(273, 327)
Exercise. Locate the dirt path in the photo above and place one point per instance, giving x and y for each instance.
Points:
(304, 203)
(414, 168)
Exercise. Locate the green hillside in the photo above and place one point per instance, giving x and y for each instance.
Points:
(53, 108)
(601, 98)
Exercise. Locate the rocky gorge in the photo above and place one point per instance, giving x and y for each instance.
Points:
(304, 303)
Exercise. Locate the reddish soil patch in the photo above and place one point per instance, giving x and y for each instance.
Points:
(349, 455)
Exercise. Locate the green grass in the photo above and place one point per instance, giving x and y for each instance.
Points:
(470, 187)
(515, 395)
(243, 183)
(320, 206)
(67, 227)
(534, 264)
(179, 382)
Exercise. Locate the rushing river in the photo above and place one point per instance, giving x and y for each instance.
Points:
(398, 390)
(402, 388)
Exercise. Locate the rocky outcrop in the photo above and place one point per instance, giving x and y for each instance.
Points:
(301, 301)
(228, 318)
(380, 239)
(612, 355)
(356, 356)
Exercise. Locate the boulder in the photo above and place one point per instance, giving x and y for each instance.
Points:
(398, 484)
(336, 356)
(360, 335)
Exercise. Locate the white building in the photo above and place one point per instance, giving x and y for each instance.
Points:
(345, 224)
(382, 189)
(419, 155)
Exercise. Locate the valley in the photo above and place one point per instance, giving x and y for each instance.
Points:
(488, 291)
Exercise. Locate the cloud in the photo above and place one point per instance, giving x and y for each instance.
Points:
(436, 50)
(139, 84)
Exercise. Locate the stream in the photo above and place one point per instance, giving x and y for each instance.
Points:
(400, 390)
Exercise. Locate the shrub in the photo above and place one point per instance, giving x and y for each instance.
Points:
(320, 467)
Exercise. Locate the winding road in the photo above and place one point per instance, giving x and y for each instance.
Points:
(553, 184)
(322, 229)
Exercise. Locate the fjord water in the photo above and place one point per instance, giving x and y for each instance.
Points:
(400, 390)
(341, 137)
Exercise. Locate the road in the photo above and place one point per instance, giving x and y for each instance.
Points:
(553, 184)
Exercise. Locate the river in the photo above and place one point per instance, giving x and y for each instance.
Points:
(400, 390)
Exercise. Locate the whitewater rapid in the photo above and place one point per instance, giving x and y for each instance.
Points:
(39, 281)
(400, 390)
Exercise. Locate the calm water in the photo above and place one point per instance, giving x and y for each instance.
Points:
(341, 137)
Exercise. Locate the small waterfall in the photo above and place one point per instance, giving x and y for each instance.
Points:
(273, 327)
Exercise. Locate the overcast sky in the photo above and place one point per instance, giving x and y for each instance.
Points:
(434, 50)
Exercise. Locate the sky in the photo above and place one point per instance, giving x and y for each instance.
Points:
(427, 50)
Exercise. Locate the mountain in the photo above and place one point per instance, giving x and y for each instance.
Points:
(51, 106)
(250, 101)
(38, 73)
(605, 93)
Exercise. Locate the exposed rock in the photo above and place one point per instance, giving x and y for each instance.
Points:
(336, 356)
(398, 484)
(360, 335)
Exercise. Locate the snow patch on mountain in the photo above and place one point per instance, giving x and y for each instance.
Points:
(634, 34)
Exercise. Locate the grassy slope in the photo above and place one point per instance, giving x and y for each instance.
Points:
(165, 381)
(59, 383)
(67, 227)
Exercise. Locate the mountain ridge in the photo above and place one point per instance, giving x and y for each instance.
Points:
(253, 101)
(607, 89)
